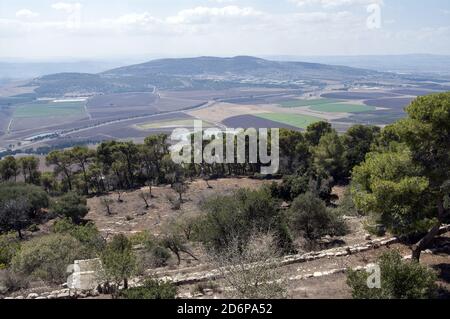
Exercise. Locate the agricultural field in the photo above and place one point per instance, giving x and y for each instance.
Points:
(342, 108)
(394, 103)
(359, 95)
(302, 103)
(49, 109)
(297, 120)
(176, 123)
(251, 121)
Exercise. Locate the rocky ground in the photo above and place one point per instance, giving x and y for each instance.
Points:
(308, 275)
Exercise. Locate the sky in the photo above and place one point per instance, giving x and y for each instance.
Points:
(48, 29)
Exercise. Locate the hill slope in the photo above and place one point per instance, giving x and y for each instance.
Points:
(199, 73)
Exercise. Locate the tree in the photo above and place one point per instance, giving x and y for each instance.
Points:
(416, 180)
(83, 156)
(48, 182)
(106, 202)
(127, 155)
(9, 169)
(294, 152)
(70, 205)
(146, 198)
(14, 215)
(399, 280)
(329, 156)
(172, 240)
(30, 169)
(250, 268)
(309, 217)
(47, 257)
(390, 186)
(357, 142)
(19, 205)
(119, 262)
(180, 188)
(62, 162)
(315, 131)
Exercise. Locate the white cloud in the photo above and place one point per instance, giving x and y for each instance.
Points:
(26, 13)
(205, 15)
(67, 7)
(335, 3)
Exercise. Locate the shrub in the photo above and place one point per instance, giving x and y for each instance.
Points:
(140, 238)
(152, 289)
(399, 280)
(70, 205)
(119, 262)
(311, 218)
(160, 256)
(238, 215)
(9, 245)
(14, 282)
(88, 235)
(155, 255)
(47, 257)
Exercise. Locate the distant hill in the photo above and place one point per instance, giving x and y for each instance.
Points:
(238, 66)
(410, 63)
(29, 70)
(200, 73)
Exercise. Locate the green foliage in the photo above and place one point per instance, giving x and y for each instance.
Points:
(309, 217)
(88, 235)
(151, 289)
(357, 142)
(47, 257)
(9, 246)
(407, 186)
(9, 169)
(19, 205)
(316, 131)
(119, 261)
(399, 280)
(330, 157)
(29, 166)
(347, 206)
(228, 217)
(70, 205)
(159, 256)
(390, 186)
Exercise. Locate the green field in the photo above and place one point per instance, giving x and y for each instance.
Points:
(296, 120)
(303, 103)
(49, 109)
(187, 123)
(342, 108)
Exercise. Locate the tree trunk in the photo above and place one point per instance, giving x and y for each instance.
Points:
(424, 242)
(125, 283)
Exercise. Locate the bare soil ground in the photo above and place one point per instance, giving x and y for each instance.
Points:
(131, 216)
